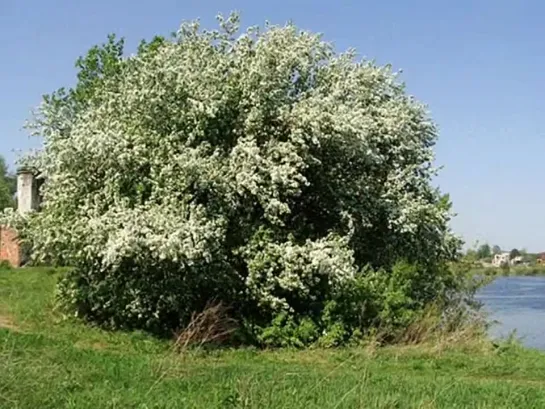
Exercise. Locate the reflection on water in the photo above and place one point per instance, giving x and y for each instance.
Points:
(518, 303)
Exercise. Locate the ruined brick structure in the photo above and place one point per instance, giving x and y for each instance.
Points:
(28, 199)
(9, 247)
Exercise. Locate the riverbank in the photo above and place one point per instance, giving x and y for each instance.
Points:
(48, 362)
(521, 271)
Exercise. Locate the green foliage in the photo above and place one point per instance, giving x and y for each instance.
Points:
(479, 253)
(387, 299)
(263, 170)
(484, 251)
(285, 332)
(514, 253)
(5, 265)
(471, 256)
(149, 296)
(530, 258)
(8, 186)
(530, 270)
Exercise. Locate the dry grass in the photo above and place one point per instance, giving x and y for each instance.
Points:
(7, 322)
(436, 332)
(213, 325)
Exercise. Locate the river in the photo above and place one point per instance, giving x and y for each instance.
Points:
(517, 303)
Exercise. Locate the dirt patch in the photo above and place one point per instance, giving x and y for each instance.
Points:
(97, 346)
(6, 322)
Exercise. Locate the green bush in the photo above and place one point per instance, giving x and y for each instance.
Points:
(155, 297)
(263, 170)
(5, 265)
(388, 300)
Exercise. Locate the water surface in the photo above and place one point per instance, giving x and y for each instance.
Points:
(518, 303)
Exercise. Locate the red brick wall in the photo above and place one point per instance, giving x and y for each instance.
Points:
(9, 247)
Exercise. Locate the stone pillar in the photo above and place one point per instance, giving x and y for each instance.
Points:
(27, 191)
(28, 199)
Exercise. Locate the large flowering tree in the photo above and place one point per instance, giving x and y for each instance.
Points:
(262, 169)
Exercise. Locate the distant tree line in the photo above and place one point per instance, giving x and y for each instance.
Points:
(485, 252)
(8, 186)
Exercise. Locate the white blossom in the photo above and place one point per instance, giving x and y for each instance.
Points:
(212, 133)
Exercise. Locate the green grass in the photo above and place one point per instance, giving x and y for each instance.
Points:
(48, 362)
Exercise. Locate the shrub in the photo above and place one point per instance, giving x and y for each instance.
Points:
(5, 265)
(262, 170)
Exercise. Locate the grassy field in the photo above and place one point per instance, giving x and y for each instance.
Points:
(47, 362)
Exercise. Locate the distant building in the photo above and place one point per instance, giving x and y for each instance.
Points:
(501, 260)
(541, 258)
(517, 260)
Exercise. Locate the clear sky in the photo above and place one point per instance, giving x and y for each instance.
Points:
(477, 64)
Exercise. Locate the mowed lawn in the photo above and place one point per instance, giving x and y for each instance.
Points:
(48, 362)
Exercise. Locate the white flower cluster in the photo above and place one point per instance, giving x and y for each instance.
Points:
(214, 132)
(298, 270)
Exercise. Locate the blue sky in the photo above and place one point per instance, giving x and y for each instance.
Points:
(477, 64)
